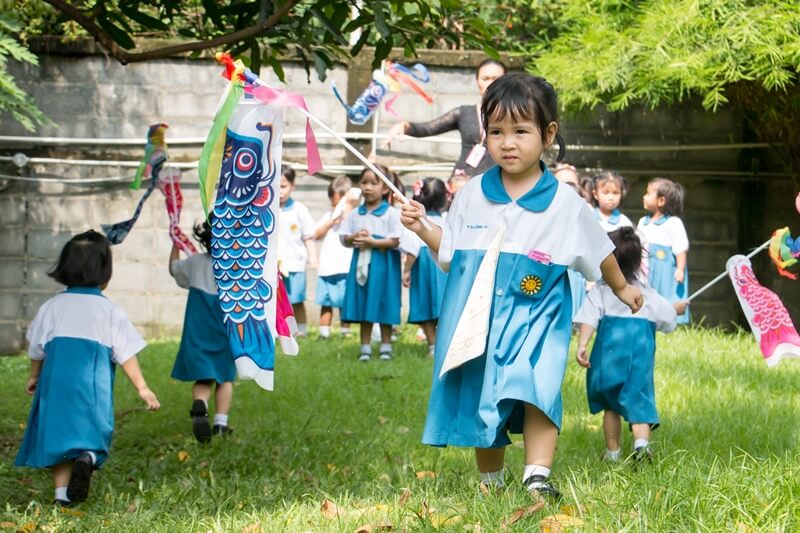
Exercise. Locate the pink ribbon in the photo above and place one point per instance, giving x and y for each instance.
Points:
(269, 95)
(171, 188)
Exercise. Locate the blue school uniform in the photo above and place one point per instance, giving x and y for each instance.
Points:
(334, 264)
(427, 279)
(205, 351)
(620, 378)
(295, 226)
(81, 336)
(378, 299)
(547, 230)
(666, 238)
(577, 289)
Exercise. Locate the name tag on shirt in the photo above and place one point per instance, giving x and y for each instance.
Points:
(475, 155)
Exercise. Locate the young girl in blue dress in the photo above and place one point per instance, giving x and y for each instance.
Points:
(372, 292)
(667, 242)
(543, 228)
(608, 191)
(421, 273)
(204, 356)
(619, 381)
(75, 342)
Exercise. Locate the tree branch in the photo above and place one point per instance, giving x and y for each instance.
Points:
(125, 57)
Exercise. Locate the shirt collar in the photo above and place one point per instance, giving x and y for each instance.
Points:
(537, 199)
(613, 219)
(288, 205)
(378, 211)
(85, 290)
(657, 222)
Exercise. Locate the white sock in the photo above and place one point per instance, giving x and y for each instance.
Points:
(533, 470)
(613, 455)
(345, 331)
(325, 331)
(366, 348)
(386, 347)
(493, 479)
(640, 443)
(93, 456)
(301, 329)
(220, 420)
(61, 494)
(431, 349)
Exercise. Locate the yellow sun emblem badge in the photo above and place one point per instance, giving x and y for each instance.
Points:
(530, 284)
(661, 255)
(294, 227)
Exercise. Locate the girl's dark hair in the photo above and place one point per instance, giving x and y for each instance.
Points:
(288, 173)
(672, 193)
(432, 194)
(606, 176)
(339, 186)
(202, 232)
(523, 97)
(85, 261)
(389, 174)
(489, 61)
(628, 251)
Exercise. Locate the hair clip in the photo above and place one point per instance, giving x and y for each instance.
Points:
(417, 187)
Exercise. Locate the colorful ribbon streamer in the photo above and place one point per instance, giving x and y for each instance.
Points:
(169, 183)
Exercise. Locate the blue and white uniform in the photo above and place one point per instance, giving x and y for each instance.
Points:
(334, 264)
(614, 222)
(205, 351)
(547, 230)
(81, 336)
(666, 238)
(620, 377)
(295, 227)
(378, 299)
(427, 279)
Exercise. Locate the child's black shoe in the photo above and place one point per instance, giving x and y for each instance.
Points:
(78, 487)
(538, 485)
(221, 430)
(200, 426)
(642, 454)
(62, 503)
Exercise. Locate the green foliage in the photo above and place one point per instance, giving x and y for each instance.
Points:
(13, 100)
(726, 456)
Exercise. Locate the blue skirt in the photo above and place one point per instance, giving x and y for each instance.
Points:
(620, 377)
(577, 287)
(331, 290)
(427, 289)
(661, 277)
(377, 301)
(73, 407)
(205, 352)
(296, 287)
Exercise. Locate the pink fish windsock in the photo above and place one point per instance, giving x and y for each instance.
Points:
(169, 184)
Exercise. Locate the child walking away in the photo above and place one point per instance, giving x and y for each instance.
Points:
(421, 273)
(667, 242)
(373, 282)
(295, 248)
(608, 190)
(204, 356)
(334, 257)
(75, 341)
(620, 377)
(508, 240)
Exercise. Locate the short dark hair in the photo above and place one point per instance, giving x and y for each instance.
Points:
(85, 261)
(523, 97)
(672, 193)
(489, 61)
(628, 251)
(394, 178)
(605, 176)
(202, 232)
(339, 186)
(288, 173)
(431, 193)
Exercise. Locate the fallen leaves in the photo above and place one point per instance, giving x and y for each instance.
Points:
(405, 496)
(522, 512)
(426, 474)
(330, 510)
(182, 456)
(370, 528)
(7, 525)
(253, 528)
(30, 527)
(73, 512)
(559, 522)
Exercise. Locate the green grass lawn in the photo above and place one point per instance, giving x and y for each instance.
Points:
(348, 432)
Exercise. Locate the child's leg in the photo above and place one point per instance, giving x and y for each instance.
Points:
(641, 443)
(540, 436)
(61, 474)
(345, 325)
(201, 393)
(430, 333)
(612, 430)
(300, 316)
(386, 342)
(201, 390)
(366, 345)
(222, 398)
(490, 466)
(325, 319)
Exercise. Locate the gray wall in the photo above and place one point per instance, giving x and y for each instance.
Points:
(89, 96)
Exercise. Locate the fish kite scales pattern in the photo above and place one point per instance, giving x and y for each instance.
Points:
(243, 224)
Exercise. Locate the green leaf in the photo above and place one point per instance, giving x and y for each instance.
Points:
(328, 25)
(380, 21)
(118, 34)
(210, 7)
(276, 67)
(144, 20)
(362, 40)
(321, 63)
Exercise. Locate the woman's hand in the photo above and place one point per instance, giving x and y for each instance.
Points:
(398, 129)
(411, 214)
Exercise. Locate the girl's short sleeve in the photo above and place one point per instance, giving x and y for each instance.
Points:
(592, 310)
(592, 244)
(37, 334)
(125, 340)
(306, 224)
(410, 243)
(678, 238)
(663, 312)
(394, 228)
(348, 226)
(181, 271)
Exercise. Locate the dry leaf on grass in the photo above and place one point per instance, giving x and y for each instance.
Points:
(475, 528)
(743, 528)
(382, 419)
(404, 497)
(559, 522)
(8, 525)
(426, 474)
(72, 512)
(371, 528)
(438, 520)
(253, 528)
(132, 507)
(182, 456)
(522, 512)
(330, 510)
(27, 528)
(403, 429)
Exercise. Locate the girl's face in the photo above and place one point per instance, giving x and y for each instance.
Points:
(517, 145)
(287, 188)
(372, 188)
(487, 74)
(651, 201)
(608, 195)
